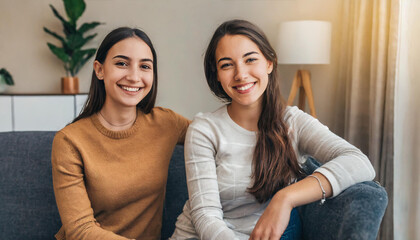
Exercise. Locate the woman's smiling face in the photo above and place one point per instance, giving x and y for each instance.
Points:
(242, 69)
(127, 72)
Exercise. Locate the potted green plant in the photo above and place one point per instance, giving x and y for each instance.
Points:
(71, 53)
(5, 80)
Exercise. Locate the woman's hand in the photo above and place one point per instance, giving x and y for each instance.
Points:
(274, 220)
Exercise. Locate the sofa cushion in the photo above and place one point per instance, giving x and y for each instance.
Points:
(27, 203)
(176, 192)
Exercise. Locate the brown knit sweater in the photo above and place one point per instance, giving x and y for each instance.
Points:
(115, 178)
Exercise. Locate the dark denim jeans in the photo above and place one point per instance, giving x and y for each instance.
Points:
(294, 228)
(356, 213)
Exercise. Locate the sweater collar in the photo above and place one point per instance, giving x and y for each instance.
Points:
(117, 134)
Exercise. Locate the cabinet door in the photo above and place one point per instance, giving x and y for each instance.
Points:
(80, 101)
(42, 113)
(6, 114)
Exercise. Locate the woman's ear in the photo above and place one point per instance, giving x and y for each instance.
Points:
(269, 67)
(99, 70)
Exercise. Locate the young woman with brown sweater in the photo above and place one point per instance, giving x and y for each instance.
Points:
(110, 164)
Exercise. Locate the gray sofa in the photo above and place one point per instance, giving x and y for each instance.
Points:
(28, 209)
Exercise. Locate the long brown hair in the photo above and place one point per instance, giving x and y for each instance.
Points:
(97, 94)
(274, 162)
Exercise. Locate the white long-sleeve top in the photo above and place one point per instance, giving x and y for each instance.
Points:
(218, 160)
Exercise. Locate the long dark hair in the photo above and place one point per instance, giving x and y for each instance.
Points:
(97, 94)
(274, 162)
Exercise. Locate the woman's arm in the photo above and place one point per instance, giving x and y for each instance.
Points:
(203, 190)
(70, 192)
(344, 165)
(275, 218)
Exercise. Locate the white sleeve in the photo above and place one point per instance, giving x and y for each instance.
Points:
(344, 164)
(200, 164)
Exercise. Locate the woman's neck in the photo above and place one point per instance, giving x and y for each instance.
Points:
(245, 116)
(117, 118)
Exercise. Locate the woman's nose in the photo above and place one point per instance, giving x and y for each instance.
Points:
(241, 72)
(133, 74)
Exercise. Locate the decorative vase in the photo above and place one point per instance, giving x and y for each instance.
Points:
(69, 85)
(3, 88)
(3, 85)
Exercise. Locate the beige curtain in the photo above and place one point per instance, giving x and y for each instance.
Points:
(407, 126)
(365, 90)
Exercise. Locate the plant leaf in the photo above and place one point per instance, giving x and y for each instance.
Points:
(75, 59)
(75, 41)
(86, 55)
(74, 9)
(57, 14)
(59, 52)
(90, 37)
(67, 27)
(88, 26)
(89, 53)
(54, 35)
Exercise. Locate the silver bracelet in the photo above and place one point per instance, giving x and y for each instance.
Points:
(322, 189)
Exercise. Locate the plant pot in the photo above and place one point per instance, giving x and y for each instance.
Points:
(69, 85)
(3, 87)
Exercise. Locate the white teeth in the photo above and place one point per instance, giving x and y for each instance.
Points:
(130, 89)
(245, 87)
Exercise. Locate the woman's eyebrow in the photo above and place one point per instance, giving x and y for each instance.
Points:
(146, 60)
(127, 58)
(245, 55)
(122, 56)
(223, 59)
(249, 53)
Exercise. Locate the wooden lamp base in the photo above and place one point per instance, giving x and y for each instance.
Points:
(302, 81)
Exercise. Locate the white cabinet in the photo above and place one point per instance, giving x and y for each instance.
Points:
(42, 113)
(38, 112)
(6, 114)
(79, 103)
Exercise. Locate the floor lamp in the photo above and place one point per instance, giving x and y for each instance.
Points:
(303, 43)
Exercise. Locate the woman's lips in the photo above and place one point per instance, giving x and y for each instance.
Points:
(244, 88)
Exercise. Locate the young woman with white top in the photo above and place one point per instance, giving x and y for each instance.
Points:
(244, 159)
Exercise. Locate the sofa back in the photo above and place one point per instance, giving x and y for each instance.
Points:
(27, 204)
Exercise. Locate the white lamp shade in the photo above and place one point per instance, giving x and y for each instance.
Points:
(304, 42)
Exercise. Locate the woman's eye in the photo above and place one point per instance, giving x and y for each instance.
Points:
(249, 60)
(225, 65)
(145, 66)
(121, 64)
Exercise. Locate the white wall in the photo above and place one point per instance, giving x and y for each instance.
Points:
(180, 31)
